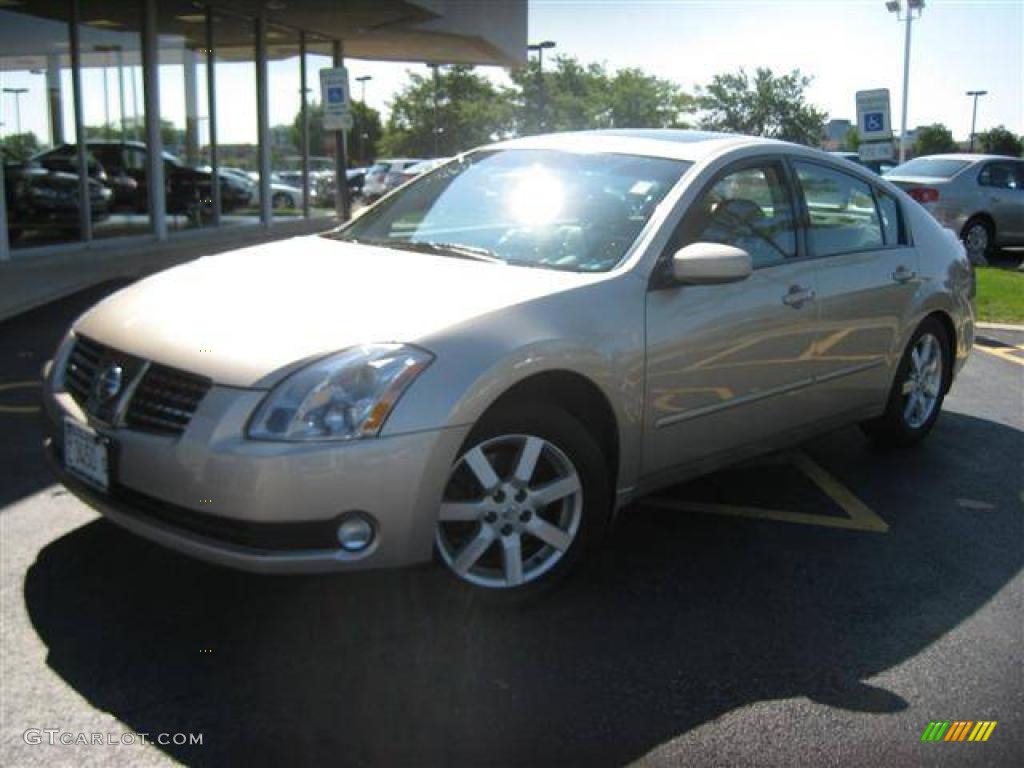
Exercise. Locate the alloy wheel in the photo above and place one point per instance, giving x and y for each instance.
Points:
(923, 383)
(511, 510)
(976, 239)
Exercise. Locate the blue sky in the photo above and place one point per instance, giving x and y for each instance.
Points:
(846, 45)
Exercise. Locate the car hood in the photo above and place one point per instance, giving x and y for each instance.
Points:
(247, 317)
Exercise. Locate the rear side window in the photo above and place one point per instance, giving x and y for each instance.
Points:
(841, 209)
(999, 175)
(748, 208)
(892, 221)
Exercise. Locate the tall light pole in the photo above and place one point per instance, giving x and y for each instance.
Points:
(974, 112)
(17, 106)
(362, 128)
(540, 48)
(896, 6)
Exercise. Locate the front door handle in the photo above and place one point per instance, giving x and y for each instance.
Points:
(903, 274)
(797, 296)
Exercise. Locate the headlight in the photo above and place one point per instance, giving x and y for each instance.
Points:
(342, 397)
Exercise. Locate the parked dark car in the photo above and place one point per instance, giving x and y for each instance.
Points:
(121, 165)
(42, 199)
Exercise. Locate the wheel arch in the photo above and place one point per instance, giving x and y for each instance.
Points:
(577, 395)
(983, 216)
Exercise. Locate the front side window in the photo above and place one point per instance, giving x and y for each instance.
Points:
(841, 209)
(537, 208)
(749, 209)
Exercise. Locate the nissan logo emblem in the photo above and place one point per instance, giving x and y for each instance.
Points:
(108, 385)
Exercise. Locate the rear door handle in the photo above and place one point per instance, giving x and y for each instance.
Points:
(903, 274)
(797, 296)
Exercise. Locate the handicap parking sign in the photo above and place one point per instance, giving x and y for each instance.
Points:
(335, 95)
(873, 122)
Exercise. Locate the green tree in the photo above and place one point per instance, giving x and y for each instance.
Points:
(933, 139)
(446, 112)
(21, 146)
(851, 141)
(1000, 141)
(765, 105)
(365, 134)
(572, 96)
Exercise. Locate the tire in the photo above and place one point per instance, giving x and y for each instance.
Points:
(528, 495)
(281, 200)
(903, 425)
(978, 237)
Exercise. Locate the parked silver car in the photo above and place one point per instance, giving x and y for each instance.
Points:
(980, 197)
(386, 174)
(492, 361)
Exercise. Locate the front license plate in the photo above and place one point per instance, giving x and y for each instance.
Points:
(86, 454)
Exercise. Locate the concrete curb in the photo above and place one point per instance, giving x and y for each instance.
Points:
(999, 327)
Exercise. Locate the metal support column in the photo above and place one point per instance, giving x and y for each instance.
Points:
(5, 248)
(190, 65)
(84, 203)
(304, 137)
(55, 99)
(342, 202)
(154, 142)
(263, 121)
(211, 111)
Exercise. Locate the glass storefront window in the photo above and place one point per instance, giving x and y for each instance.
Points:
(321, 143)
(284, 102)
(185, 119)
(234, 47)
(113, 114)
(37, 117)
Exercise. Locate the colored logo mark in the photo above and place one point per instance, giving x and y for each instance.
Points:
(959, 730)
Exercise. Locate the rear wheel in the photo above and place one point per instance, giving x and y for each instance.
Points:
(281, 200)
(918, 391)
(527, 496)
(978, 237)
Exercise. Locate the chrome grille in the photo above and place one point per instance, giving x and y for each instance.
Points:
(163, 400)
(80, 373)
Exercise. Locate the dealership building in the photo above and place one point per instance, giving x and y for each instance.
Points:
(156, 98)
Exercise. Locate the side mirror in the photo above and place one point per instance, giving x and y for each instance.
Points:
(710, 264)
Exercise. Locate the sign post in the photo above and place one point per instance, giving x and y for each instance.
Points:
(874, 125)
(334, 95)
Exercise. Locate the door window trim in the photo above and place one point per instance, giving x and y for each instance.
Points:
(805, 216)
(657, 280)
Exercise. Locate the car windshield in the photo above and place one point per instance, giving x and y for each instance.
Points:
(929, 167)
(538, 208)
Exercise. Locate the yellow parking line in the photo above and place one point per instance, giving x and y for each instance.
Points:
(1005, 353)
(19, 408)
(858, 516)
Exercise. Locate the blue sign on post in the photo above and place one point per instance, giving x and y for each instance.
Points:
(874, 122)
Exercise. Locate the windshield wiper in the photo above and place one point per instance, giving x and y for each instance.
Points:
(458, 250)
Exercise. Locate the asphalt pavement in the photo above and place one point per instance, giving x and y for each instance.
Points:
(818, 607)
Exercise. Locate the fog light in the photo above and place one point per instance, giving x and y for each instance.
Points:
(355, 532)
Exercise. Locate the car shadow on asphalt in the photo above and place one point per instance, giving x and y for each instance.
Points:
(678, 620)
(26, 342)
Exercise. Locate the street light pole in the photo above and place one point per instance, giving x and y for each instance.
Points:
(540, 48)
(974, 112)
(896, 6)
(17, 106)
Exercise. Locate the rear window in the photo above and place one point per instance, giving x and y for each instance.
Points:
(930, 167)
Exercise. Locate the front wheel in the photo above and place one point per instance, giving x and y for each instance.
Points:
(918, 391)
(526, 497)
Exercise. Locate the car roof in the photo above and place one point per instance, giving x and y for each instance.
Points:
(654, 142)
(965, 156)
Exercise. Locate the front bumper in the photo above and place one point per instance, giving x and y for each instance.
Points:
(261, 506)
